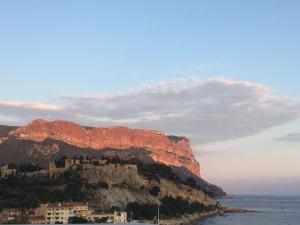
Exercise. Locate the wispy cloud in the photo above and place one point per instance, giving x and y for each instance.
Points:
(34, 106)
(206, 111)
(294, 137)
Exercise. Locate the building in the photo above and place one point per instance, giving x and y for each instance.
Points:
(56, 212)
(120, 217)
(3, 218)
(71, 162)
(82, 210)
(117, 217)
(37, 220)
(54, 171)
(98, 162)
(12, 214)
(5, 171)
(62, 212)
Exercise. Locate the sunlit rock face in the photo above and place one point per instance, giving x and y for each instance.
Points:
(165, 149)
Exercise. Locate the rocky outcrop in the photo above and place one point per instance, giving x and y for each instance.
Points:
(169, 150)
(119, 178)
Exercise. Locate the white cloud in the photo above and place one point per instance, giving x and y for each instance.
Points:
(34, 106)
(206, 111)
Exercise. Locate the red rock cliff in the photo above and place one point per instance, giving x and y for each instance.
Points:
(170, 151)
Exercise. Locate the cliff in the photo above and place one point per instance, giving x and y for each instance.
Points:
(170, 150)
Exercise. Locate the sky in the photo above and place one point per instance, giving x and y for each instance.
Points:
(223, 73)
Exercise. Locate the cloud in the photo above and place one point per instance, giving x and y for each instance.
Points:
(206, 111)
(33, 106)
(18, 113)
(294, 137)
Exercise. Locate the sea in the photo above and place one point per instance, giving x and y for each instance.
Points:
(265, 210)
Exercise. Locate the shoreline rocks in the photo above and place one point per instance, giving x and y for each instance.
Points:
(190, 219)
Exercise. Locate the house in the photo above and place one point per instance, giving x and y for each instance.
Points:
(12, 213)
(118, 217)
(69, 163)
(6, 171)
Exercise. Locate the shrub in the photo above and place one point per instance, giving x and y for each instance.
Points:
(154, 191)
(77, 220)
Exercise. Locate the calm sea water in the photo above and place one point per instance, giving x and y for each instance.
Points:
(269, 210)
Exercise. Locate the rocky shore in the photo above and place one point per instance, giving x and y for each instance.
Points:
(190, 219)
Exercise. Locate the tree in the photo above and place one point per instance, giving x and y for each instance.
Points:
(77, 220)
(191, 182)
(29, 167)
(101, 220)
(12, 166)
(154, 191)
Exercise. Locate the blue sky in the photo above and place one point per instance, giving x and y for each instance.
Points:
(76, 47)
(80, 60)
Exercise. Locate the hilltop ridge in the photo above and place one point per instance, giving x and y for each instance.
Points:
(169, 150)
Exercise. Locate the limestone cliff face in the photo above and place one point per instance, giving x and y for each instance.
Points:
(168, 150)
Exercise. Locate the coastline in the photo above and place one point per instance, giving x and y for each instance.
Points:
(190, 219)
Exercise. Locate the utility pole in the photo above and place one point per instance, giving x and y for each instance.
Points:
(158, 215)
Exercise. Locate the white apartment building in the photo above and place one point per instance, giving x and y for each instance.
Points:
(120, 217)
(60, 212)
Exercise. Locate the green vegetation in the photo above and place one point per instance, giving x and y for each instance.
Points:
(101, 220)
(175, 138)
(170, 207)
(177, 206)
(60, 163)
(30, 192)
(141, 211)
(29, 168)
(154, 191)
(155, 171)
(77, 220)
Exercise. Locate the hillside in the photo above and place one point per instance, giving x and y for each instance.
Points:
(134, 188)
(23, 152)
